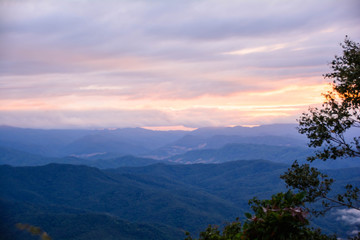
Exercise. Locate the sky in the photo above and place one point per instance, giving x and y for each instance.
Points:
(167, 64)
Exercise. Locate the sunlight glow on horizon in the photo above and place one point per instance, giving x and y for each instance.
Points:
(170, 128)
(241, 101)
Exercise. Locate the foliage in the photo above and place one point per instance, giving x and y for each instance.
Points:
(357, 237)
(58, 197)
(36, 231)
(327, 129)
(317, 186)
(281, 217)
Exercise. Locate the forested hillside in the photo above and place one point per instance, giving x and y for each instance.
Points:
(165, 200)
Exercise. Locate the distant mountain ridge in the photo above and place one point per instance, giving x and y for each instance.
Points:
(235, 151)
(60, 143)
(239, 151)
(18, 158)
(230, 152)
(213, 138)
(112, 148)
(136, 141)
(261, 130)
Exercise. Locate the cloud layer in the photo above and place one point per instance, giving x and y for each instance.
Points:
(164, 63)
(349, 217)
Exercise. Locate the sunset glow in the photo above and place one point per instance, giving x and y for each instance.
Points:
(90, 64)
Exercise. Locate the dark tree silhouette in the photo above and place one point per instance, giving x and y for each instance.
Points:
(327, 128)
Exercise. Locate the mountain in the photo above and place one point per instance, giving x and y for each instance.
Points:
(232, 152)
(280, 135)
(240, 181)
(280, 130)
(237, 181)
(111, 143)
(229, 152)
(102, 143)
(124, 161)
(131, 197)
(63, 142)
(139, 141)
(271, 129)
(218, 141)
(65, 223)
(281, 154)
(38, 141)
(213, 138)
(18, 158)
(163, 197)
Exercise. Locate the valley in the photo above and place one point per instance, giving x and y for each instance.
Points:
(130, 195)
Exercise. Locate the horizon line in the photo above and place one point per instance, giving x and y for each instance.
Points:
(151, 128)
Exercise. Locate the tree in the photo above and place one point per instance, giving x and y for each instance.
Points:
(33, 230)
(327, 129)
(282, 217)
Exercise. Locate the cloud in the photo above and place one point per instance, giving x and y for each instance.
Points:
(350, 216)
(83, 119)
(193, 117)
(83, 55)
(261, 49)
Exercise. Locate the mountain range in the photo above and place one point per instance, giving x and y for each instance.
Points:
(59, 143)
(136, 183)
(126, 202)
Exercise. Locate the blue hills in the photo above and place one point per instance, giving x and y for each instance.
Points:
(164, 199)
(143, 184)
